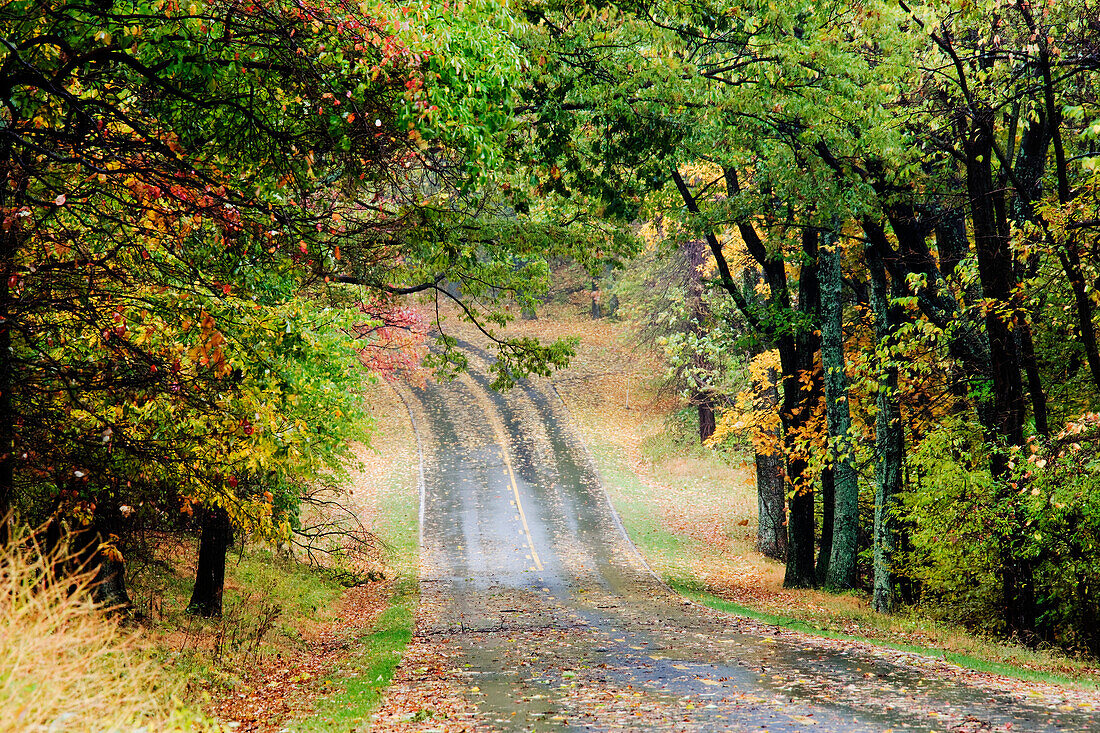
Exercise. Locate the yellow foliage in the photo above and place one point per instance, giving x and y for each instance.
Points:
(756, 416)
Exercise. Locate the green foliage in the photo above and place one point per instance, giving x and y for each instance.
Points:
(1057, 489)
(173, 186)
(665, 293)
(967, 527)
(955, 525)
(183, 191)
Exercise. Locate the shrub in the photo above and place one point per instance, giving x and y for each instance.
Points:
(1058, 485)
(1043, 519)
(952, 515)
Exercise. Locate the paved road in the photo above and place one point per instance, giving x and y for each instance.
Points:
(551, 620)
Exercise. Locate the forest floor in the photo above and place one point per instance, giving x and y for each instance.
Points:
(296, 649)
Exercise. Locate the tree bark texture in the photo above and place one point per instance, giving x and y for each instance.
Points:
(707, 422)
(828, 509)
(214, 540)
(771, 499)
(843, 532)
(797, 352)
(888, 440)
(996, 269)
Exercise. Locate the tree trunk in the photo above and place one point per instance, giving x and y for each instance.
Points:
(1034, 381)
(828, 510)
(7, 407)
(8, 246)
(800, 572)
(771, 500)
(797, 354)
(98, 551)
(694, 257)
(707, 423)
(997, 274)
(596, 314)
(969, 343)
(110, 583)
(840, 564)
(888, 441)
(795, 350)
(214, 541)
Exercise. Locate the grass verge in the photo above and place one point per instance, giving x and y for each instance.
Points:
(359, 680)
(271, 607)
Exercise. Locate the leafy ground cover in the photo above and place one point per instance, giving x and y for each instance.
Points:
(692, 512)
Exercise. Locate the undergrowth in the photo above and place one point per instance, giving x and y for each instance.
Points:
(69, 665)
(269, 601)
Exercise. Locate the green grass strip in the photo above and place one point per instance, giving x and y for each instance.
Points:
(361, 681)
(369, 670)
(690, 589)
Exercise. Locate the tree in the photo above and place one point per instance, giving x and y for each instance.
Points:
(183, 191)
(840, 567)
(960, 179)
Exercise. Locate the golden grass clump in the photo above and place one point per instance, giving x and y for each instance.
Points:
(65, 665)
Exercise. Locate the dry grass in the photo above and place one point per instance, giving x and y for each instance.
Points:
(65, 664)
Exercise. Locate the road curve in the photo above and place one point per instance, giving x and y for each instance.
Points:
(551, 621)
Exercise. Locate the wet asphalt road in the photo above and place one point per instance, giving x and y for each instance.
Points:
(554, 623)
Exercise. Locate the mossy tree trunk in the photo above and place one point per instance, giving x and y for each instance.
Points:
(839, 540)
(888, 438)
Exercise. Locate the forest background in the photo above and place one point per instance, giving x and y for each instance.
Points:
(876, 226)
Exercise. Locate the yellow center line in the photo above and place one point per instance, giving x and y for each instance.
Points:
(487, 406)
(519, 504)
